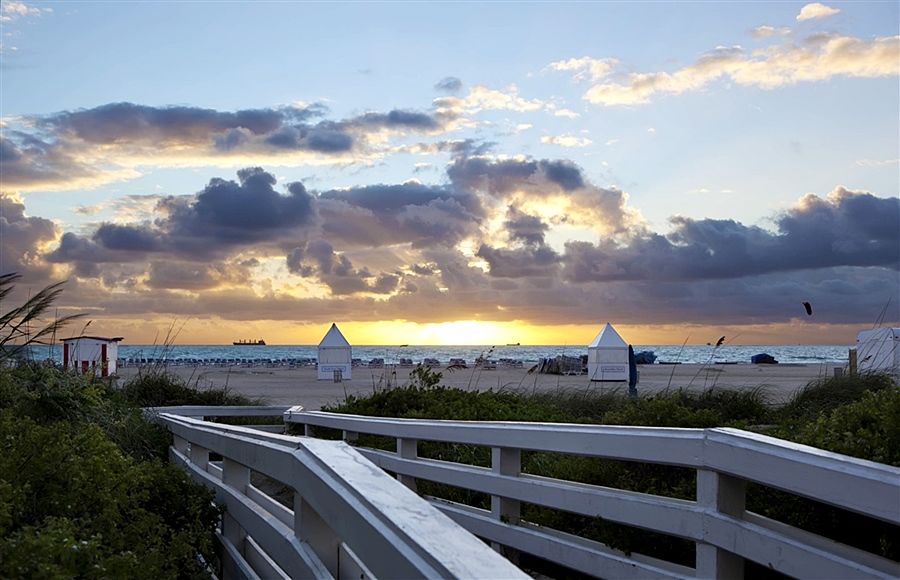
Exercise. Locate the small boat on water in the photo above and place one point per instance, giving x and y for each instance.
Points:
(259, 342)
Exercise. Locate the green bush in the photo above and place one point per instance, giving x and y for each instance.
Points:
(161, 389)
(857, 416)
(868, 428)
(823, 395)
(76, 506)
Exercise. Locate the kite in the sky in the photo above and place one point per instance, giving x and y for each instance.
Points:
(808, 307)
(720, 341)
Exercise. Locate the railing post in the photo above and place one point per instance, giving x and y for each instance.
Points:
(350, 436)
(307, 430)
(407, 449)
(199, 456)
(237, 476)
(726, 495)
(180, 443)
(309, 527)
(505, 461)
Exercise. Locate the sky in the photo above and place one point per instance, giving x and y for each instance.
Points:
(455, 173)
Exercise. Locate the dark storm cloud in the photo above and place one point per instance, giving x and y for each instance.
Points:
(26, 160)
(397, 118)
(522, 227)
(223, 216)
(232, 213)
(846, 229)
(117, 122)
(337, 270)
(506, 175)
(409, 213)
(563, 173)
(127, 237)
(450, 85)
(20, 236)
(582, 202)
(325, 138)
(182, 276)
(494, 176)
(530, 261)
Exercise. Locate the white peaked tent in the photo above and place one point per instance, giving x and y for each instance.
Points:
(334, 355)
(878, 350)
(608, 356)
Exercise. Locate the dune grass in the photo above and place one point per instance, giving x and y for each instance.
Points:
(858, 416)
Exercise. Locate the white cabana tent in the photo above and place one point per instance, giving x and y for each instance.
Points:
(608, 356)
(334, 356)
(878, 350)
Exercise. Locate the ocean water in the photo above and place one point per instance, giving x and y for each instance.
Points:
(528, 354)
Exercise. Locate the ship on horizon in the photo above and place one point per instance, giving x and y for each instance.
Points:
(259, 342)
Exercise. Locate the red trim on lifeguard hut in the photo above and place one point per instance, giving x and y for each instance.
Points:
(84, 356)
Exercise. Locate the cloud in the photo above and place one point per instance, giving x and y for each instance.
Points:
(379, 215)
(450, 85)
(554, 186)
(481, 98)
(337, 272)
(12, 10)
(22, 238)
(88, 147)
(477, 245)
(815, 11)
(567, 113)
(844, 229)
(818, 58)
(766, 31)
(567, 140)
(223, 216)
(525, 228)
(876, 162)
(525, 262)
(585, 68)
(27, 162)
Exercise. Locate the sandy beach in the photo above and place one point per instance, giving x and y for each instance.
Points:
(299, 386)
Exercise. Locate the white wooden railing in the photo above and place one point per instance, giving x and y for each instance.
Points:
(725, 533)
(348, 519)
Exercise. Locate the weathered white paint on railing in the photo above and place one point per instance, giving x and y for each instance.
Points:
(347, 508)
(725, 460)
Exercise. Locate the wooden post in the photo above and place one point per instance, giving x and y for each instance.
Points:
(237, 476)
(180, 443)
(309, 527)
(199, 456)
(727, 495)
(506, 461)
(852, 365)
(407, 449)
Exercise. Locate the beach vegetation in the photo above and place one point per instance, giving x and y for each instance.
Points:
(857, 416)
(85, 490)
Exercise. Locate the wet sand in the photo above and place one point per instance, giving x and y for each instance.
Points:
(299, 386)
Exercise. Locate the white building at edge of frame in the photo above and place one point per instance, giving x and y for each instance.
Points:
(335, 355)
(878, 350)
(91, 354)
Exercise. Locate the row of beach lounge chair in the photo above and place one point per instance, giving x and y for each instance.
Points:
(486, 364)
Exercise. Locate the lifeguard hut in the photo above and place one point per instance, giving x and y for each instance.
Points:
(335, 361)
(608, 357)
(91, 354)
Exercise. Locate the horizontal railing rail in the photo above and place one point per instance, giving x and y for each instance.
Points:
(347, 517)
(725, 460)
